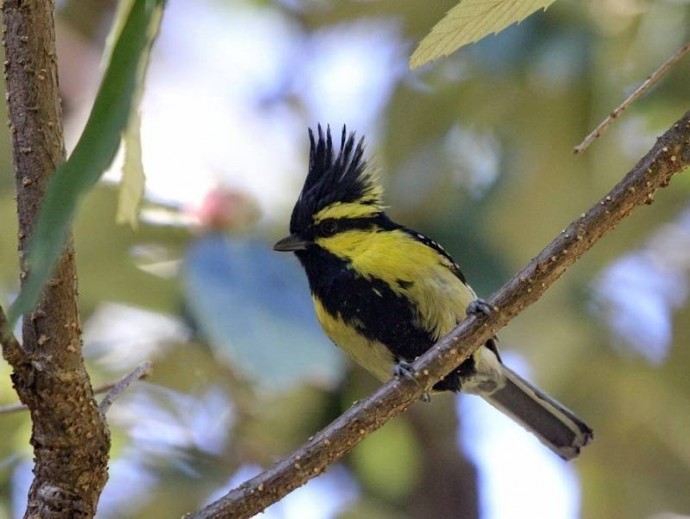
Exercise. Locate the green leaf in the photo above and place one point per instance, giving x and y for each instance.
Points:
(133, 176)
(124, 8)
(470, 21)
(93, 153)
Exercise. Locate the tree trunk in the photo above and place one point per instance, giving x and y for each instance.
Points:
(69, 434)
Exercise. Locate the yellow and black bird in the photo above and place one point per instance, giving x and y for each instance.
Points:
(385, 293)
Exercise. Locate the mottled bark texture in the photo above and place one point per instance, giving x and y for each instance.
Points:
(69, 434)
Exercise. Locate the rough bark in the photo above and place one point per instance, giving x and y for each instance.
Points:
(69, 434)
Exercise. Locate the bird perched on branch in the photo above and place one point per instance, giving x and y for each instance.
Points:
(385, 293)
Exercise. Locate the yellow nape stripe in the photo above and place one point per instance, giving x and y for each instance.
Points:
(347, 210)
(368, 204)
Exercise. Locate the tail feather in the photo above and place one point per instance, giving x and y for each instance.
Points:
(555, 426)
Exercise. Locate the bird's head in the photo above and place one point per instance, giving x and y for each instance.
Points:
(341, 195)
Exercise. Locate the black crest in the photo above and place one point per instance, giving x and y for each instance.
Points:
(334, 178)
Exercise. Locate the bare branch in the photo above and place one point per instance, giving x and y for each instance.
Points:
(143, 370)
(13, 408)
(646, 85)
(670, 155)
(117, 387)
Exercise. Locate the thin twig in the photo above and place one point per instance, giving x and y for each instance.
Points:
(670, 154)
(14, 408)
(141, 371)
(646, 85)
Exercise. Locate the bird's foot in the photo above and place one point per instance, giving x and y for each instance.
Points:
(404, 369)
(479, 307)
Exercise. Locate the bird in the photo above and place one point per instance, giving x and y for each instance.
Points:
(386, 294)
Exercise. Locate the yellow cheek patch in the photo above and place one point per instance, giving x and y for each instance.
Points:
(347, 244)
(389, 256)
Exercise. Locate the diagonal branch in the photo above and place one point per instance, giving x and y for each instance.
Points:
(637, 93)
(670, 155)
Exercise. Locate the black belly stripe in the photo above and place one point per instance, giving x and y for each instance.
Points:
(374, 309)
(370, 305)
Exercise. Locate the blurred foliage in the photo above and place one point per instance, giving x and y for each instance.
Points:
(93, 154)
(476, 152)
(230, 291)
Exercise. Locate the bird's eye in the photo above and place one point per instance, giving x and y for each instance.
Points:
(329, 227)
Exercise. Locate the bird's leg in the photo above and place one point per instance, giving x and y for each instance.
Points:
(404, 369)
(479, 307)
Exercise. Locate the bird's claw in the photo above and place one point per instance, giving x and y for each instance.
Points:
(479, 308)
(404, 369)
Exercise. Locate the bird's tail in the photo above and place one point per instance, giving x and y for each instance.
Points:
(555, 426)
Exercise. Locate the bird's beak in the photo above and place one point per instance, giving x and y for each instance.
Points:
(291, 243)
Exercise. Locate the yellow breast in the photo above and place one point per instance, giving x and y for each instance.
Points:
(439, 296)
(371, 355)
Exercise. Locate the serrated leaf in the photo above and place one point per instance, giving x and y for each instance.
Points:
(92, 155)
(470, 21)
